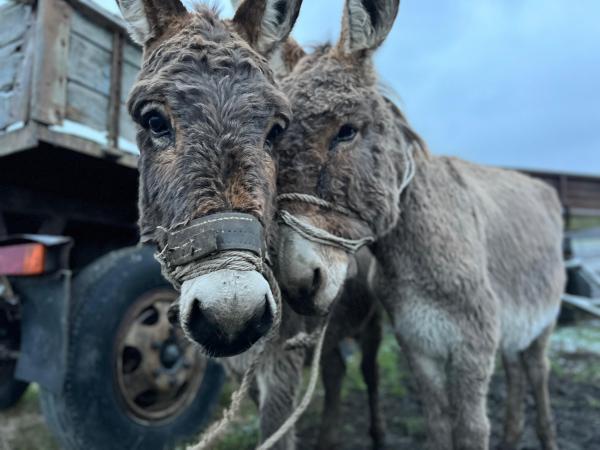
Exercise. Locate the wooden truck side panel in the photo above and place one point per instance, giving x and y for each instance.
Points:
(67, 69)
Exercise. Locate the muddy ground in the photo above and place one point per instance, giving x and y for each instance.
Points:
(574, 384)
(575, 396)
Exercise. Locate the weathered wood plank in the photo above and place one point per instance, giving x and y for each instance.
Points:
(91, 31)
(14, 21)
(101, 16)
(18, 140)
(11, 56)
(89, 64)
(584, 185)
(130, 73)
(22, 88)
(116, 74)
(48, 98)
(85, 146)
(132, 54)
(87, 107)
(6, 101)
(127, 128)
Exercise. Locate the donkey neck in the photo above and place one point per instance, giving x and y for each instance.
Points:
(427, 214)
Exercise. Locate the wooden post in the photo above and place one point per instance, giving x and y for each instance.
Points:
(116, 75)
(563, 195)
(49, 86)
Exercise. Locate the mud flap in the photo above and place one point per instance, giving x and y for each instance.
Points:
(45, 309)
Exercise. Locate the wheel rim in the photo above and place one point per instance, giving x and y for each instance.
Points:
(158, 370)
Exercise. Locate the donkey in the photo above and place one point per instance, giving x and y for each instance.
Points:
(208, 111)
(468, 258)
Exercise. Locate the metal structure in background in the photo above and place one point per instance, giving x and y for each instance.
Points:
(579, 194)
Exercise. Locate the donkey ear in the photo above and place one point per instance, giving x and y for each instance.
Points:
(366, 24)
(148, 19)
(285, 57)
(266, 23)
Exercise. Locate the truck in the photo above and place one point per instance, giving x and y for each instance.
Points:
(83, 307)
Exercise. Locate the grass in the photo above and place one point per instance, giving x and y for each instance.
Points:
(244, 434)
(22, 427)
(575, 354)
(580, 223)
(393, 373)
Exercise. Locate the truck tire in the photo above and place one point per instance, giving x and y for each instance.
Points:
(11, 390)
(132, 381)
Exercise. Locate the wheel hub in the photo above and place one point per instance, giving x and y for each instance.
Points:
(170, 355)
(158, 370)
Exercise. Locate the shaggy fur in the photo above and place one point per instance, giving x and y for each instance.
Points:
(468, 257)
(212, 82)
(219, 97)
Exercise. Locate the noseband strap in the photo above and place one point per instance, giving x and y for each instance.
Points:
(210, 234)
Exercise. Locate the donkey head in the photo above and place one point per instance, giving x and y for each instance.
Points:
(346, 145)
(208, 112)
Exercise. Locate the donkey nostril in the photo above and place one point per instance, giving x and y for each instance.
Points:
(198, 325)
(196, 313)
(316, 281)
(263, 322)
(173, 314)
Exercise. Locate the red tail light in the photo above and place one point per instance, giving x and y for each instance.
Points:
(22, 259)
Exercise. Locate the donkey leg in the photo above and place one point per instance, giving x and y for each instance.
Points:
(370, 340)
(430, 377)
(515, 401)
(537, 368)
(333, 369)
(278, 385)
(469, 375)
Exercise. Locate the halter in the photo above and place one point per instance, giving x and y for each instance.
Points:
(234, 241)
(321, 236)
(316, 234)
(228, 240)
(205, 238)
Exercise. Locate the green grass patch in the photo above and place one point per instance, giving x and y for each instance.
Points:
(580, 223)
(393, 373)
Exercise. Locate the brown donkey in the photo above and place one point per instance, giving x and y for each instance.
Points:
(468, 257)
(208, 112)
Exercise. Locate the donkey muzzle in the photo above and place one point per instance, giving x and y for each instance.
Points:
(226, 311)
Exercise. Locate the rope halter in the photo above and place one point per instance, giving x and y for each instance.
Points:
(321, 236)
(316, 234)
(234, 241)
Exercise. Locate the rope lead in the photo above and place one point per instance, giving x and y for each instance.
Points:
(217, 429)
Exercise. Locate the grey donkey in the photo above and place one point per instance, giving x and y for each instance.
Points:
(468, 258)
(208, 111)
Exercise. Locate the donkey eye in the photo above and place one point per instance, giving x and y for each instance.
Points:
(274, 133)
(156, 123)
(345, 134)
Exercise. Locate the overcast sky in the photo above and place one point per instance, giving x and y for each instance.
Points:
(507, 82)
